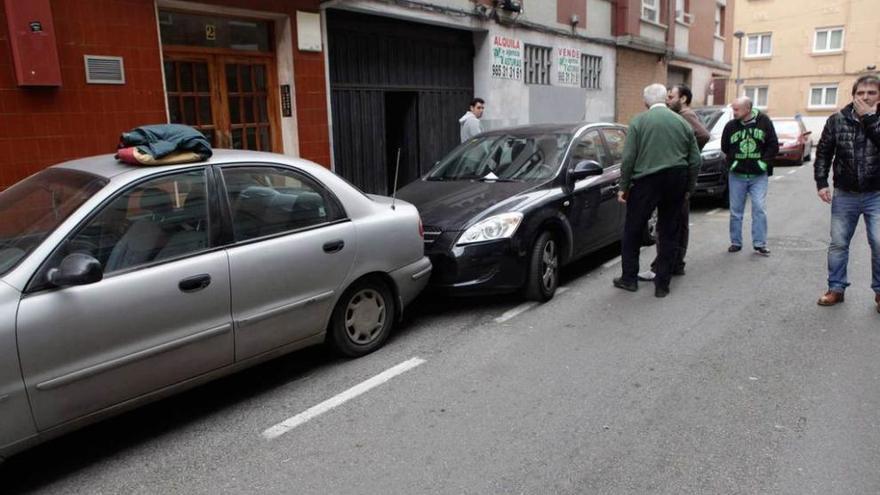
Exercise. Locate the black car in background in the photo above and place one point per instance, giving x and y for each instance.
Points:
(506, 209)
(712, 181)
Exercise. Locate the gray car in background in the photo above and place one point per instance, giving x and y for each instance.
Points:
(120, 285)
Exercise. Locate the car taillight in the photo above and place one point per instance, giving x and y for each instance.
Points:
(421, 229)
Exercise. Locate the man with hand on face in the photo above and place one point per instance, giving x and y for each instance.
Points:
(661, 161)
(850, 143)
(678, 99)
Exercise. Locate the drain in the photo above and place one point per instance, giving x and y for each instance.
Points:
(793, 243)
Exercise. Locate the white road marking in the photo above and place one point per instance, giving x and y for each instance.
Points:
(792, 171)
(778, 177)
(712, 212)
(291, 423)
(611, 263)
(561, 290)
(513, 313)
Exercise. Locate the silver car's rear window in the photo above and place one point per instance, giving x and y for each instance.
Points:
(33, 208)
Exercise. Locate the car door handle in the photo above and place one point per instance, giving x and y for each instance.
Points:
(195, 283)
(334, 246)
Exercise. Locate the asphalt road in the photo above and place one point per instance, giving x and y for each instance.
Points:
(735, 383)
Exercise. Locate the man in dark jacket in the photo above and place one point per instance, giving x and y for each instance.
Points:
(851, 142)
(749, 141)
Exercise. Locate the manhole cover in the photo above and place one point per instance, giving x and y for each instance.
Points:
(791, 243)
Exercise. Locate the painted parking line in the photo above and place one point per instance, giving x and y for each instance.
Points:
(792, 171)
(363, 387)
(611, 263)
(778, 177)
(712, 212)
(513, 313)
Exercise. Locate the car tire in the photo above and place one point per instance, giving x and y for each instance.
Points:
(543, 277)
(649, 235)
(362, 318)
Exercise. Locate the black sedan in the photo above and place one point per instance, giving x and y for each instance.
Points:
(503, 211)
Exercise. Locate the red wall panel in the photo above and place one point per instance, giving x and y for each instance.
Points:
(43, 126)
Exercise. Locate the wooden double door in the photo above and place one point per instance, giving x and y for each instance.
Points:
(231, 99)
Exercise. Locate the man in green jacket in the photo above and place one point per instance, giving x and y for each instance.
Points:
(661, 161)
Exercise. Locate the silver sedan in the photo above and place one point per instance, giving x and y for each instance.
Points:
(120, 285)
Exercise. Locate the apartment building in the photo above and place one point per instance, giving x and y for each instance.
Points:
(801, 57)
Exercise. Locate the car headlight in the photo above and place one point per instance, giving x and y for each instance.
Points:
(497, 227)
(711, 155)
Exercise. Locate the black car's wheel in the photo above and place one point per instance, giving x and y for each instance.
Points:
(362, 318)
(543, 268)
(649, 236)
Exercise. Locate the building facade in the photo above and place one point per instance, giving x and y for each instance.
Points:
(401, 74)
(672, 41)
(801, 57)
(74, 74)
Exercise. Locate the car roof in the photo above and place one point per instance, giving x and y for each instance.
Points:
(108, 166)
(533, 129)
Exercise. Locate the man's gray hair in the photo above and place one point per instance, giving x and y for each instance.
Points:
(655, 93)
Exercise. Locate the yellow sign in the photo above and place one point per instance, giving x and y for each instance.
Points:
(210, 32)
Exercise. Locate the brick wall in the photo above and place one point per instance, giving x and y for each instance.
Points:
(635, 70)
(43, 126)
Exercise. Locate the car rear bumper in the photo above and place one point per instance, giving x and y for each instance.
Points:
(412, 279)
(487, 267)
(789, 155)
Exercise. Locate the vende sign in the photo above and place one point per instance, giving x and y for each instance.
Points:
(507, 58)
(568, 67)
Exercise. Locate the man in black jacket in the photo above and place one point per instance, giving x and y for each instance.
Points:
(850, 143)
(749, 141)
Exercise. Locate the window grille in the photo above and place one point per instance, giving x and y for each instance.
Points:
(591, 71)
(538, 60)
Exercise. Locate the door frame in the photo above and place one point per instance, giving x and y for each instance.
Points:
(215, 58)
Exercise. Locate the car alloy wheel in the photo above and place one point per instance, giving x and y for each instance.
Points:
(362, 318)
(543, 275)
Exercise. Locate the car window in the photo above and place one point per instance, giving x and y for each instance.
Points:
(589, 147)
(36, 206)
(507, 157)
(788, 128)
(266, 201)
(163, 218)
(615, 139)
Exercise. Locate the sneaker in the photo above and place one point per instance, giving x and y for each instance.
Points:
(647, 276)
(763, 251)
(621, 284)
(734, 248)
(831, 298)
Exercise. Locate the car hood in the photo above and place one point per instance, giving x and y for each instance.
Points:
(453, 205)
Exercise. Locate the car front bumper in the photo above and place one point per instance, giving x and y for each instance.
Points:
(486, 267)
(712, 180)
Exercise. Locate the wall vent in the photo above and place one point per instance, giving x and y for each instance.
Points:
(104, 70)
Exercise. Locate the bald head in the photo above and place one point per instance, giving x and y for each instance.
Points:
(742, 107)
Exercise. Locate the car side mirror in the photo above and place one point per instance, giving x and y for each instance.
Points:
(76, 269)
(586, 168)
(807, 133)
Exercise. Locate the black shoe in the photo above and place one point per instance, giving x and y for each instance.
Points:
(678, 272)
(630, 286)
(661, 291)
(734, 248)
(763, 251)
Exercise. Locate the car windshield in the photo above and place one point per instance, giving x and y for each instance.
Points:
(36, 206)
(506, 157)
(787, 128)
(708, 116)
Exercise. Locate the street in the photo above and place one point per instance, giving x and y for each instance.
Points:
(737, 383)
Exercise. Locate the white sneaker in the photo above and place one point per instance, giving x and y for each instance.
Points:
(647, 276)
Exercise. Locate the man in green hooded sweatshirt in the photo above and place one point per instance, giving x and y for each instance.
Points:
(749, 141)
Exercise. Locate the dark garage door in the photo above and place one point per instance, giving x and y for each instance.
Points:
(395, 85)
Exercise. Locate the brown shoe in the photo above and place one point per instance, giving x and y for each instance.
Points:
(830, 298)
(877, 300)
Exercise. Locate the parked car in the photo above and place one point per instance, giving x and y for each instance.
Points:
(712, 181)
(120, 285)
(795, 145)
(506, 209)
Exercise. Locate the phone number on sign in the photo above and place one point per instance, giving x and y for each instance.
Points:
(506, 71)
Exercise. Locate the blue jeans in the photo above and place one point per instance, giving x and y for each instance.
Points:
(846, 208)
(756, 188)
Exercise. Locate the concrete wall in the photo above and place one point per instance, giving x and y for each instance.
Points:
(511, 102)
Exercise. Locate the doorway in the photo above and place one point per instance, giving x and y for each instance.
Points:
(401, 133)
(220, 78)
